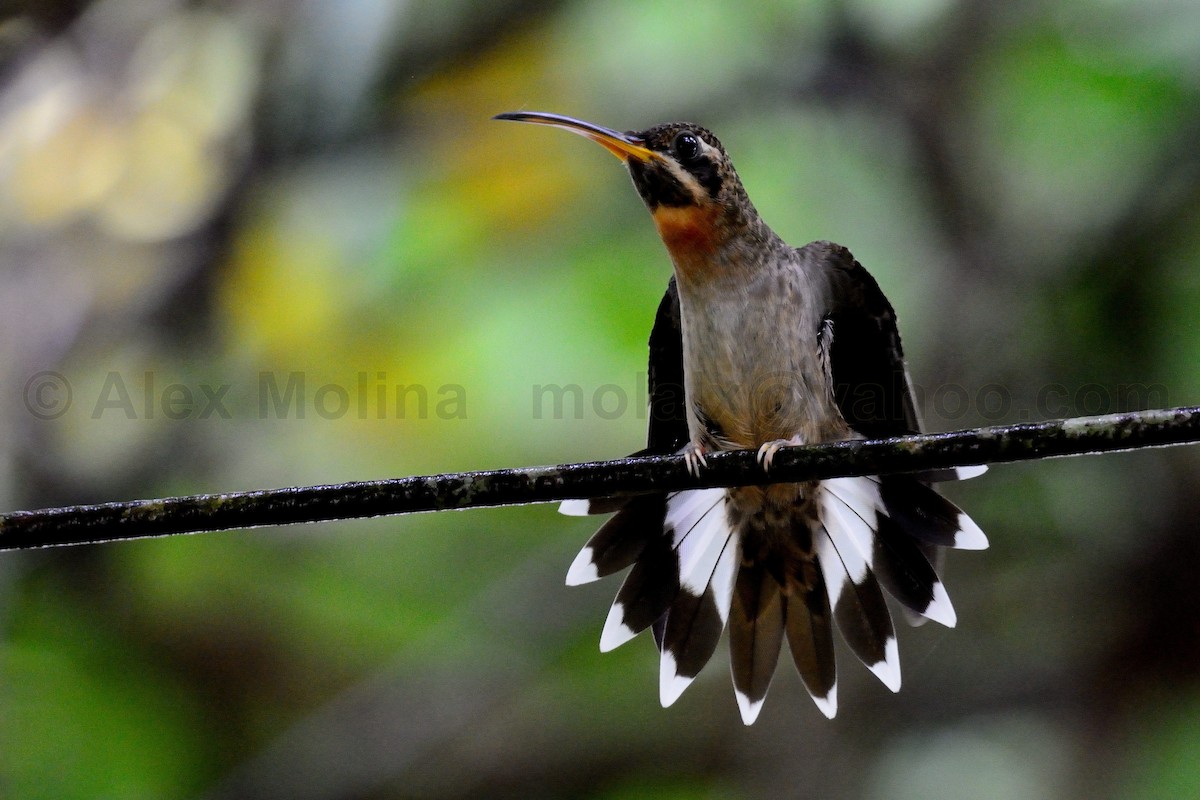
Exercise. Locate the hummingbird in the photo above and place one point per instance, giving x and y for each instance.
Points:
(760, 345)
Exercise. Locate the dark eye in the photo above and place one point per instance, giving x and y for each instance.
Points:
(686, 146)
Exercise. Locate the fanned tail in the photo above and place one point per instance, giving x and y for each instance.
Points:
(689, 579)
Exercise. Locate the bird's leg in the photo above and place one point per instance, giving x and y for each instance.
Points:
(695, 456)
(766, 453)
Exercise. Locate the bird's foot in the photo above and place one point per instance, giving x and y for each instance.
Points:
(694, 456)
(766, 453)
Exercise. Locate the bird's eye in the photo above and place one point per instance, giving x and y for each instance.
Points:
(686, 146)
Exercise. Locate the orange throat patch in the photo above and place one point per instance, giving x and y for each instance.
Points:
(689, 232)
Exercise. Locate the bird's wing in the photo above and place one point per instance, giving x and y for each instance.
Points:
(668, 430)
(871, 385)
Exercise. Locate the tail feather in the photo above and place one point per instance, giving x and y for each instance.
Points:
(755, 637)
(648, 591)
(936, 556)
(659, 629)
(593, 506)
(809, 627)
(620, 540)
(860, 610)
(688, 524)
(851, 510)
(850, 513)
(695, 520)
(926, 515)
(696, 618)
(904, 570)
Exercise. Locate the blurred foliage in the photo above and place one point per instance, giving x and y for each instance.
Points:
(247, 199)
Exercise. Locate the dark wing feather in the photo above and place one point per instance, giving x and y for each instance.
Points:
(668, 430)
(866, 359)
(871, 385)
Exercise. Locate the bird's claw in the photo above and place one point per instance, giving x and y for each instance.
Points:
(694, 457)
(766, 453)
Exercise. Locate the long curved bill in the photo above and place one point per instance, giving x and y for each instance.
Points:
(621, 145)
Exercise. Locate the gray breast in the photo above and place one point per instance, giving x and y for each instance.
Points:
(753, 369)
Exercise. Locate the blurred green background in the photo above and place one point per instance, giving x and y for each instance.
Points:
(228, 198)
